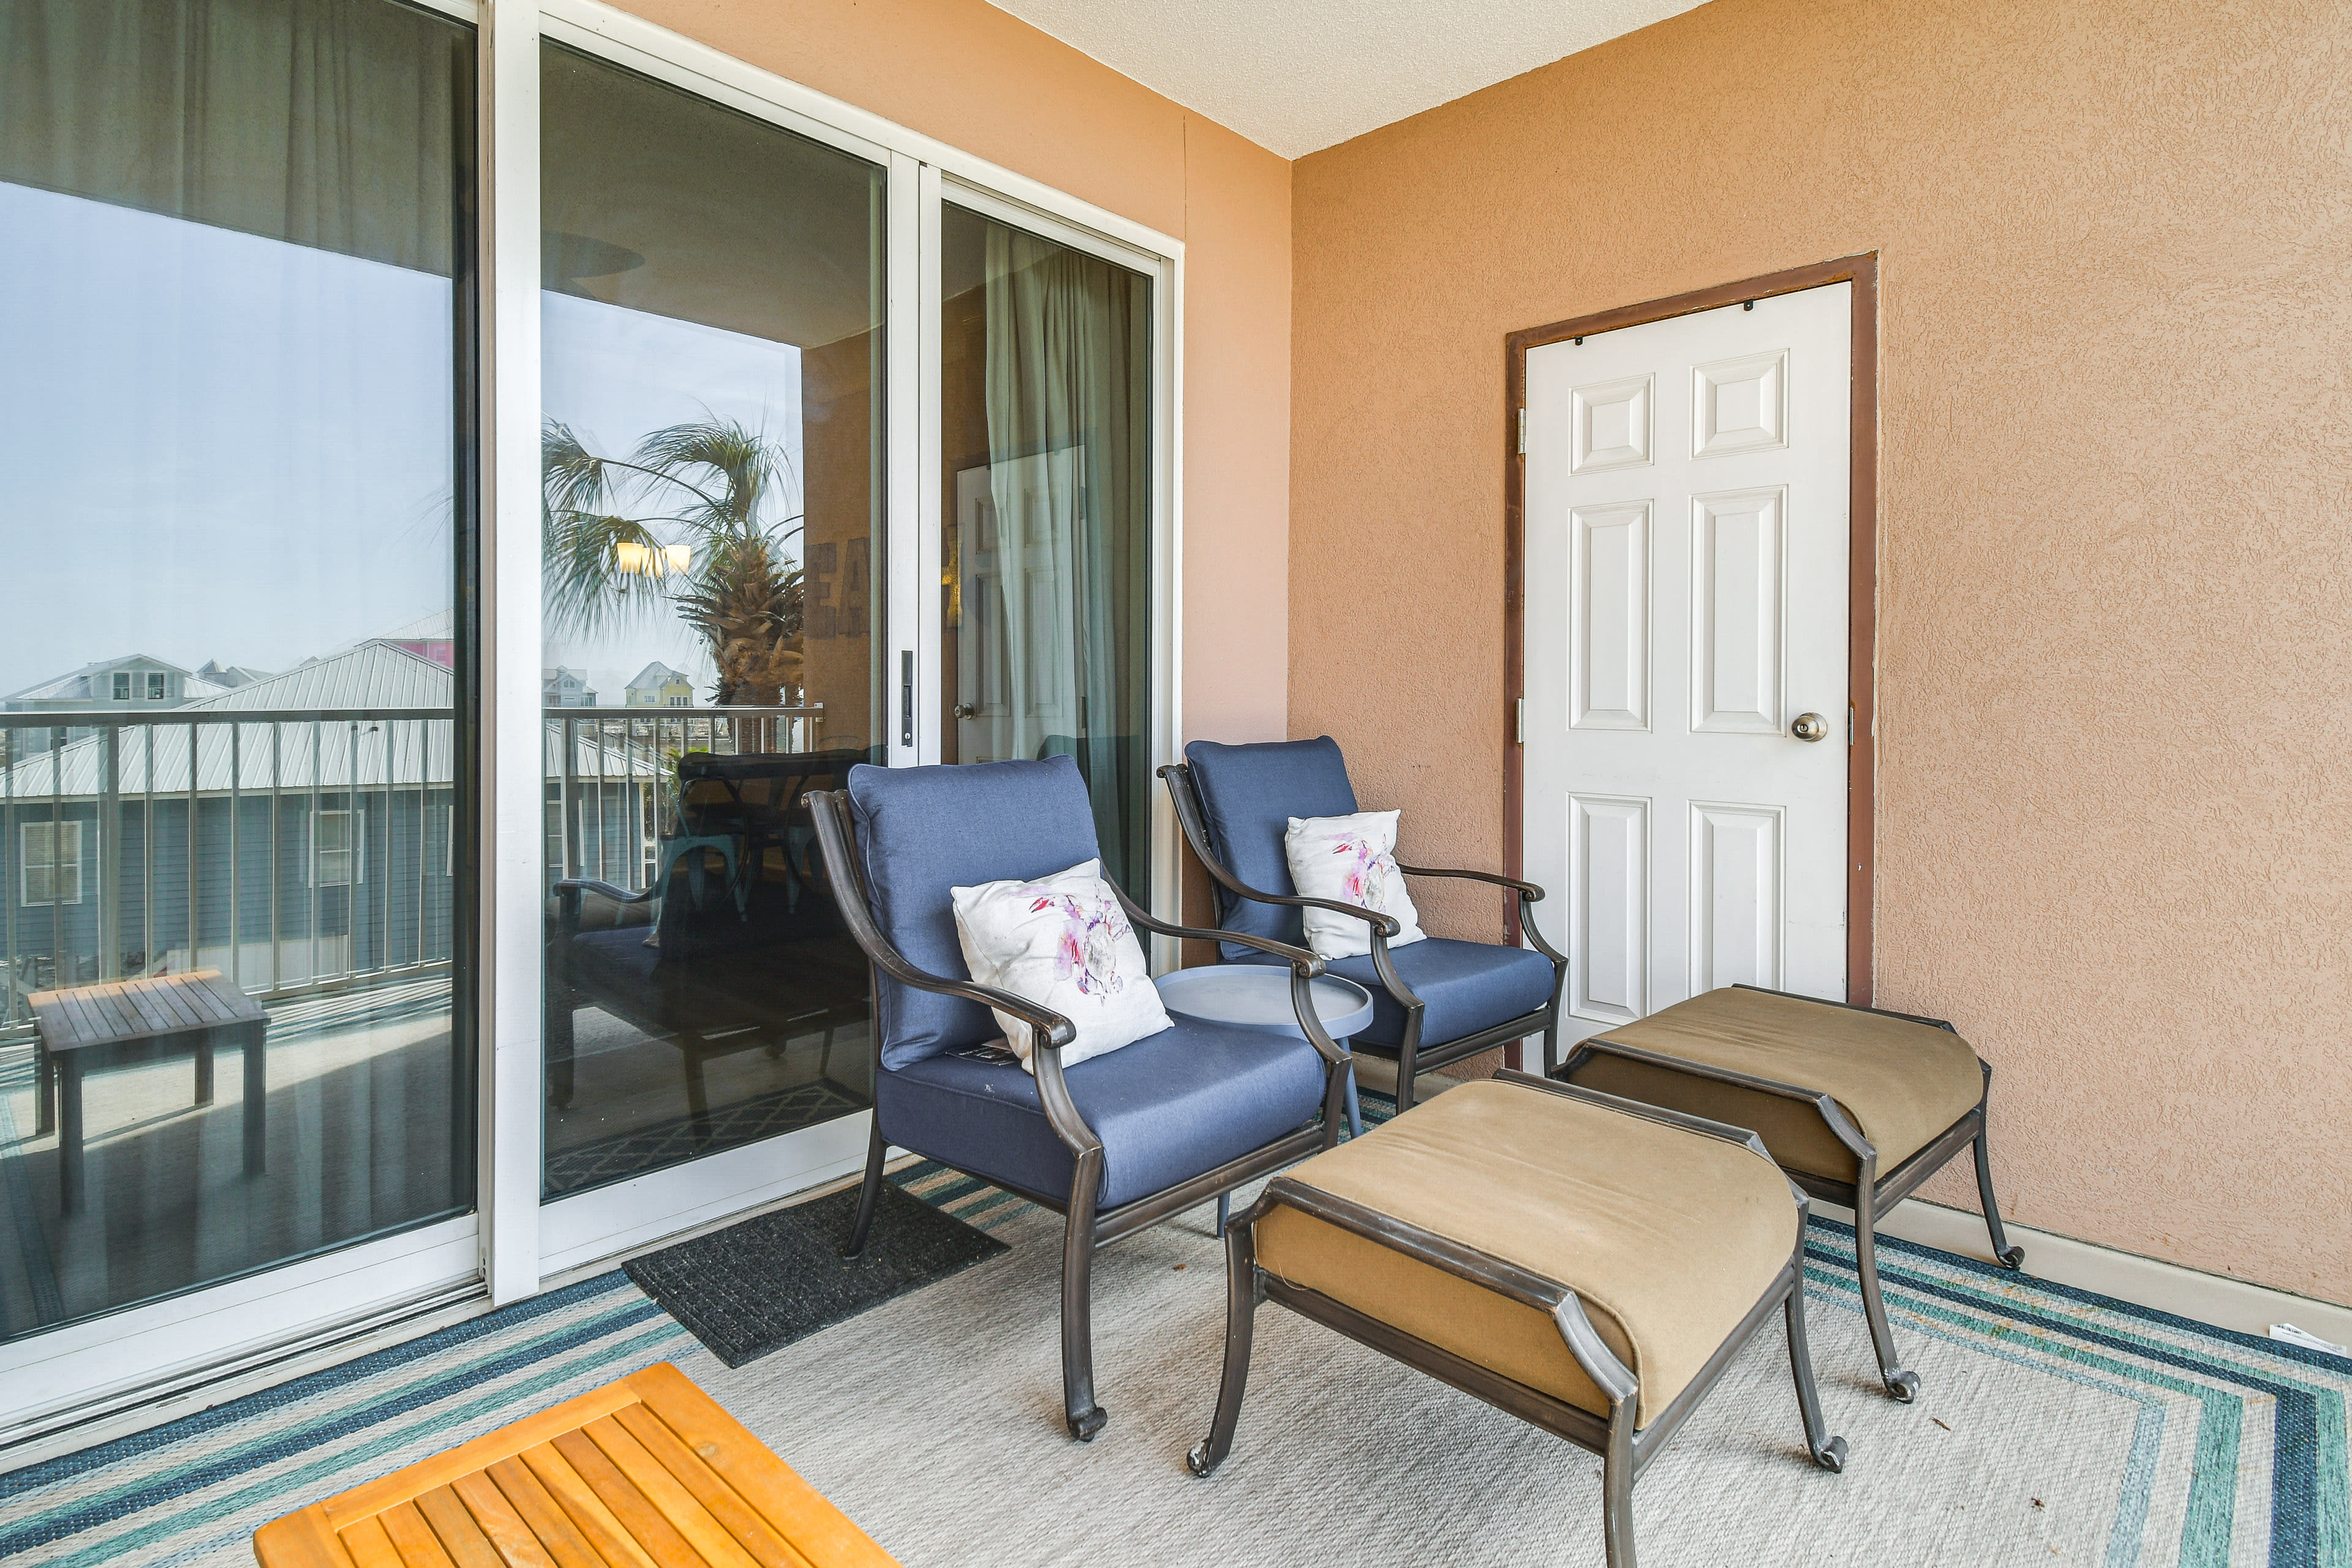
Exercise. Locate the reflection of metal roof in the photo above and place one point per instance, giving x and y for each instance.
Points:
(376, 674)
(283, 755)
(153, 751)
(300, 754)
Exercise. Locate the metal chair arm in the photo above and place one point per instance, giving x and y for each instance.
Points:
(1529, 891)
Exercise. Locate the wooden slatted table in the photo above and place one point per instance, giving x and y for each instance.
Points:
(647, 1472)
(84, 1025)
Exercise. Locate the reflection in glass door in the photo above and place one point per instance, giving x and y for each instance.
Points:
(712, 325)
(234, 364)
(1045, 519)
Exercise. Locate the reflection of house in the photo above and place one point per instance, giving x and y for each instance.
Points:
(562, 687)
(659, 686)
(321, 831)
(134, 682)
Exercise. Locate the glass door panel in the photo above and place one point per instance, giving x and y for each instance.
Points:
(235, 363)
(712, 319)
(1046, 517)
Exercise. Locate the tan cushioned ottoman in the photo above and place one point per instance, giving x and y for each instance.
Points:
(1668, 1236)
(1900, 1082)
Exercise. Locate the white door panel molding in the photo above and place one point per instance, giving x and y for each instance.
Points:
(1608, 599)
(1741, 405)
(1737, 562)
(1610, 425)
(1609, 898)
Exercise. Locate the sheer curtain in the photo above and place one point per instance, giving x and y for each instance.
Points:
(1070, 430)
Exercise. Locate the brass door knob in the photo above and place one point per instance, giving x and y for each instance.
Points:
(1810, 727)
(965, 709)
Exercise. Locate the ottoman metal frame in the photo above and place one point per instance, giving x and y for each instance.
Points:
(1624, 1449)
(1883, 1192)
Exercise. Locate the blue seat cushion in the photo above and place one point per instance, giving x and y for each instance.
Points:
(1167, 1107)
(1248, 796)
(1465, 987)
(921, 831)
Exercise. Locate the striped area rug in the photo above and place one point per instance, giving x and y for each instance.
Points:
(2235, 1451)
(2238, 1445)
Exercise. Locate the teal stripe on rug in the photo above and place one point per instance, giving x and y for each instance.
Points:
(2311, 1493)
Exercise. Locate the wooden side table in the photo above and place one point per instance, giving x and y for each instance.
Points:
(647, 1472)
(83, 1026)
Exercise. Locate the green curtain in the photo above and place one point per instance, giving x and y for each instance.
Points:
(339, 124)
(1069, 385)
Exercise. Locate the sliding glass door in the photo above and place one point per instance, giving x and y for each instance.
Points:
(808, 442)
(235, 370)
(712, 316)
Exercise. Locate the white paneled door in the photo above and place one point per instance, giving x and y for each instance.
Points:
(1687, 726)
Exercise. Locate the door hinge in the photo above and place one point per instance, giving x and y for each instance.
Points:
(1523, 432)
(1849, 723)
(1521, 722)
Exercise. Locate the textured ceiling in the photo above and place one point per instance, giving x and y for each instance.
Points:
(1296, 75)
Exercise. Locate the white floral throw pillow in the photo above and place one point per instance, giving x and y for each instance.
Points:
(1353, 861)
(1062, 941)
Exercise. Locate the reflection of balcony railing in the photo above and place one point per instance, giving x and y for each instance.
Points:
(295, 849)
(612, 776)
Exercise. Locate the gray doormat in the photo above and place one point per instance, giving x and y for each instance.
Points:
(779, 1277)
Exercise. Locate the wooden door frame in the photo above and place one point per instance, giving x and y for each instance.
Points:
(1862, 588)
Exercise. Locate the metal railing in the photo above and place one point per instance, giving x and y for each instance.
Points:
(212, 847)
(612, 775)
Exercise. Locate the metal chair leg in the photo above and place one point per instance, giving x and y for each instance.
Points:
(1243, 1288)
(1084, 1416)
(1617, 1486)
(870, 1193)
(1904, 1385)
(1408, 1061)
(1828, 1452)
(2010, 1256)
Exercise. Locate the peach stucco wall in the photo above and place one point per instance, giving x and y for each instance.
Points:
(979, 79)
(2115, 832)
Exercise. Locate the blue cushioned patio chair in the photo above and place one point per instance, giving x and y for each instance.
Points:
(1117, 1143)
(1434, 1001)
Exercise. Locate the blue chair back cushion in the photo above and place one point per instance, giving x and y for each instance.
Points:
(1168, 1108)
(1248, 794)
(921, 831)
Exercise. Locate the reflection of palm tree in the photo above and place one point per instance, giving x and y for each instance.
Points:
(737, 589)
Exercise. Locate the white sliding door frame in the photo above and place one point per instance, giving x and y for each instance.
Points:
(530, 1240)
